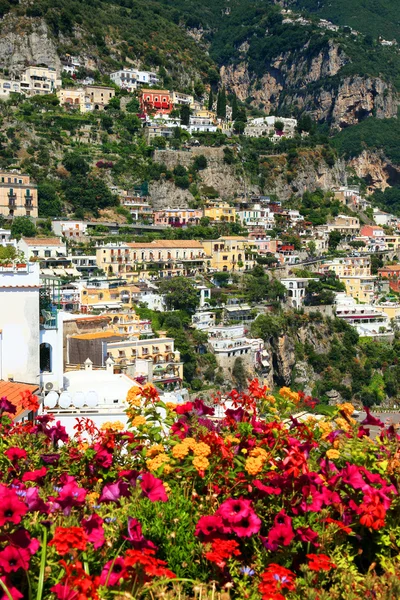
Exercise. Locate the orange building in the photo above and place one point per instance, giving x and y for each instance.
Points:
(155, 101)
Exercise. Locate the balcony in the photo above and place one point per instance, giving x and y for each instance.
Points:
(12, 200)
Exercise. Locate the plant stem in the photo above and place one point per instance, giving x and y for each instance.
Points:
(5, 589)
(42, 565)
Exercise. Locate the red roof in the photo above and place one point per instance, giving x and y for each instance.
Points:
(14, 394)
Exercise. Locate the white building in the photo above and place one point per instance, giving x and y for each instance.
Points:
(5, 238)
(179, 99)
(42, 247)
(203, 319)
(125, 79)
(296, 290)
(201, 124)
(74, 230)
(266, 126)
(369, 320)
(257, 216)
(40, 80)
(19, 323)
(383, 218)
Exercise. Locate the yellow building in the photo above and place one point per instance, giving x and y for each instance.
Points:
(18, 195)
(220, 212)
(392, 242)
(349, 266)
(230, 253)
(74, 98)
(361, 288)
(108, 294)
(391, 309)
(99, 95)
(345, 224)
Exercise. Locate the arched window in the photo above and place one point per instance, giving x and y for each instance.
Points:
(45, 358)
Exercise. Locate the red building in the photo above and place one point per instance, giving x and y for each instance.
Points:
(391, 272)
(155, 101)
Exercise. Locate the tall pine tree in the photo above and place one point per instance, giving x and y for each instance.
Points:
(210, 100)
(234, 107)
(221, 103)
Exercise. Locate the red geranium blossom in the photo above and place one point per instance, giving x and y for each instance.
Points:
(153, 488)
(320, 562)
(221, 551)
(146, 560)
(11, 508)
(275, 579)
(66, 538)
(373, 511)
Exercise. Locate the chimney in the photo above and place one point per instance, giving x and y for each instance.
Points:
(88, 364)
(110, 365)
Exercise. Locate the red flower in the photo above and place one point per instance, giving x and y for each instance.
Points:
(76, 584)
(306, 534)
(66, 538)
(221, 551)
(182, 409)
(146, 560)
(153, 488)
(36, 475)
(275, 579)
(247, 526)
(371, 420)
(13, 559)
(11, 508)
(113, 572)
(15, 454)
(104, 459)
(373, 511)
(320, 562)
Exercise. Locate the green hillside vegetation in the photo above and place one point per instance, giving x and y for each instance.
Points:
(373, 17)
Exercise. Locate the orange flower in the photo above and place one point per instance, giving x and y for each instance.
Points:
(254, 465)
(200, 463)
(137, 421)
(180, 451)
(201, 449)
(154, 450)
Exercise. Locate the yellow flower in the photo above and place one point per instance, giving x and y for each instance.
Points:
(325, 427)
(254, 465)
(200, 463)
(137, 421)
(112, 426)
(270, 398)
(201, 449)
(331, 454)
(287, 393)
(92, 497)
(347, 408)
(171, 405)
(180, 451)
(155, 463)
(134, 396)
(154, 450)
(259, 452)
(232, 440)
(167, 470)
(342, 423)
(190, 442)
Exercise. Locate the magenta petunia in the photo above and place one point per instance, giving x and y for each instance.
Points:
(104, 459)
(136, 537)
(234, 510)
(93, 527)
(12, 591)
(153, 488)
(70, 495)
(35, 476)
(13, 559)
(211, 526)
(371, 420)
(306, 534)
(22, 539)
(34, 501)
(113, 571)
(11, 508)
(15, 454)
(247, 526)
(6, 406)
(112, 492)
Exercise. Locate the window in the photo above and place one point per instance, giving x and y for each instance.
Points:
(35, 253)
(47, 253)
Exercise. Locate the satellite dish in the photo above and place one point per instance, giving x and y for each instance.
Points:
(51, 400)
(78, 400)
(65, 400)
(92, 399)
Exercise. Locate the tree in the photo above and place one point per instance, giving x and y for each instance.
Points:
(279, 125)
(133, 106)
(234, 107)
(180, 294)
(210, 100)
(76, 164)
(239, 374)
(200, 162)
(22, 227)
(7, 253)
(239, 127)
(221, 103)
(311, 247)
(335, 237)
(132, 123)
(49, 202)
(185, 114)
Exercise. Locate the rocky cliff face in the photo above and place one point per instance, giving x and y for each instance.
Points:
(307, 83)
(378, 172)
(26, 41)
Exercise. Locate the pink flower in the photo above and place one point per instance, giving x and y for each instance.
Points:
(15, 454)
(266, 489)
(11, 508)
(371, 420)
(153, 488)
(14, 593)
(104, 459)
(281, 534)
(6, 406)
(112, 492)
(113, 571)
(247, 526)
(136, 536)
(13, 559)
(22, 539)
(34, 502)
(312, 499)
(234, 510)
(93, 527)
(306, 534)
(180, 428)
(210, 527)
(71, 495)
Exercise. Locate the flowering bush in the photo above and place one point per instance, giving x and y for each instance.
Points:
(260, 504)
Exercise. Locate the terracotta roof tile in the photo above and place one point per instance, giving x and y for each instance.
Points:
(98, 335)
(14, 393)
(44, 241)
(168, 244)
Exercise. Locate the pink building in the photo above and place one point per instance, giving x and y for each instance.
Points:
(178, 217)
